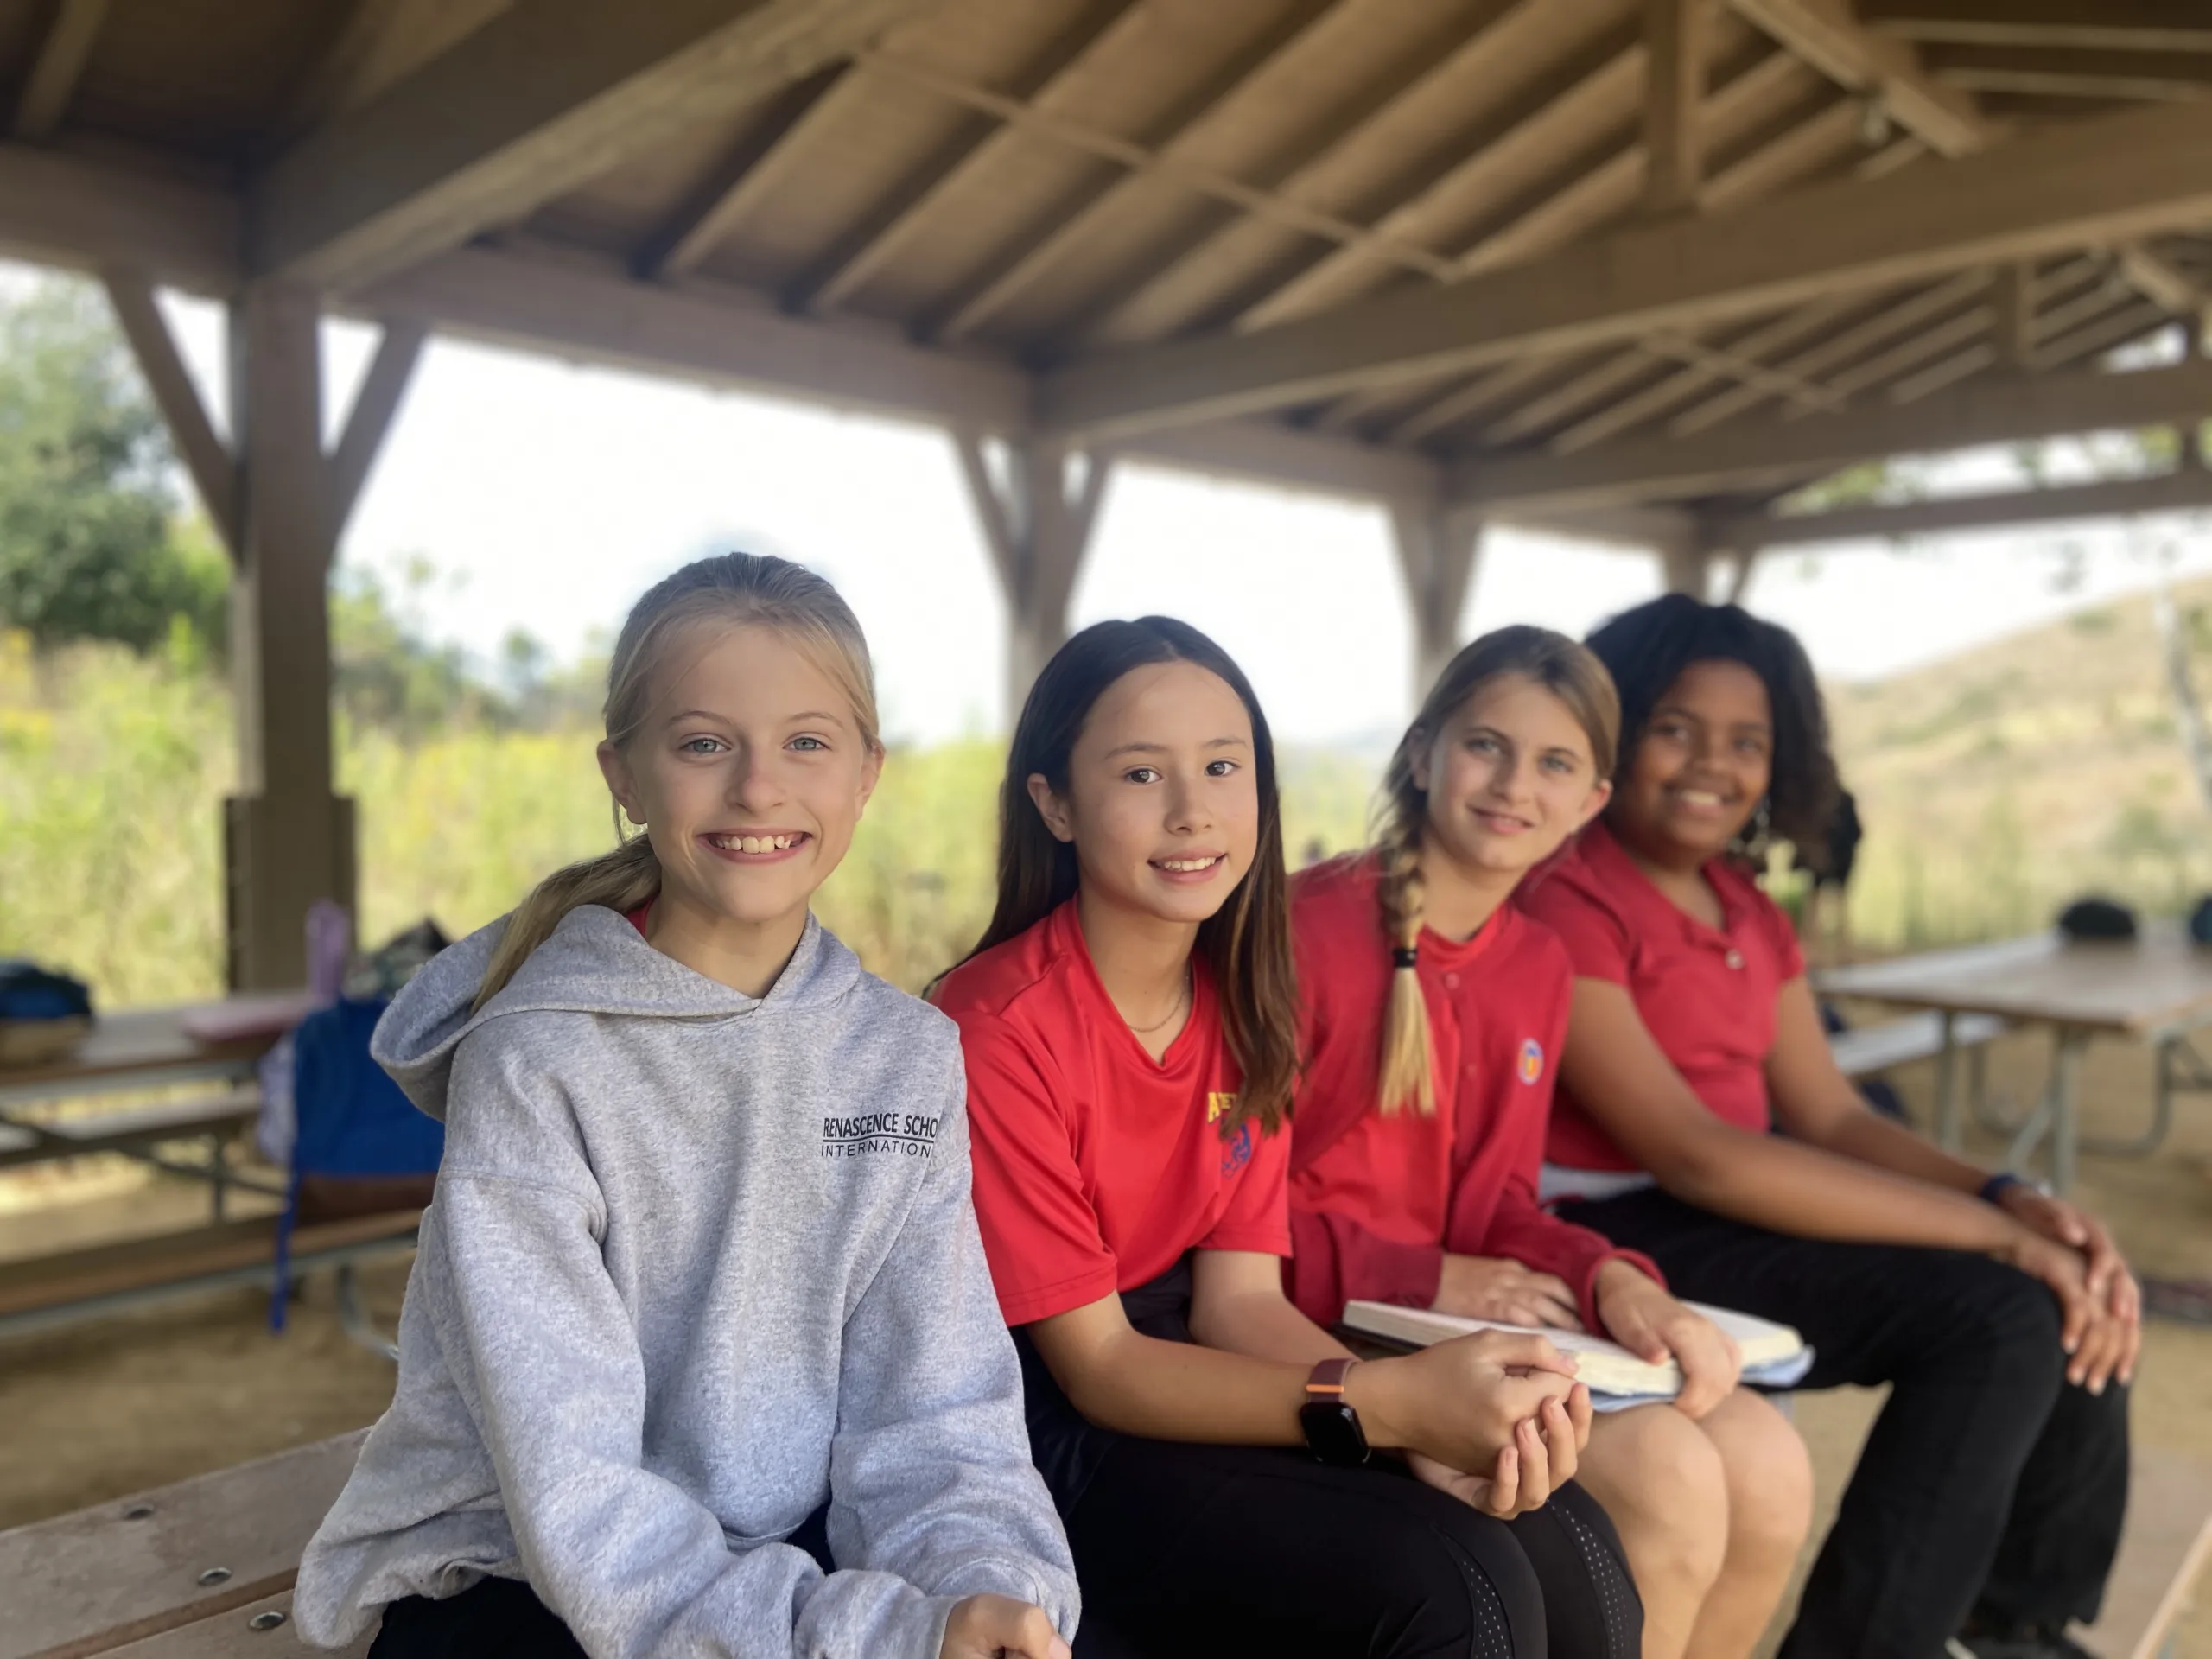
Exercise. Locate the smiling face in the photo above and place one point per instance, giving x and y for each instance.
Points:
(1162, 802)
(749, 772)
(1701, 766)
(1507, 777)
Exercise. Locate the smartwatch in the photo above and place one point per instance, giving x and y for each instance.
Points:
(1331, 1428)
(1994, 1189)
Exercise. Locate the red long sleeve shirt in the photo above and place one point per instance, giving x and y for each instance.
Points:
(1376, 1202)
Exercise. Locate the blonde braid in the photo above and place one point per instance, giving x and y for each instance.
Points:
(1409, 1071)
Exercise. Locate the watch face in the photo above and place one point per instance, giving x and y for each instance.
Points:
(1333, 1430)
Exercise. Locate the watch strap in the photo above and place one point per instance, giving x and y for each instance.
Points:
(1325, 1382)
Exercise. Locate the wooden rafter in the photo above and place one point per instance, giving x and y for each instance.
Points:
(548, 94)
(2123, 175)
(1751, 456)
(863, 251)
(1826, 36)
(959, 317)
(1607, 190)
(1675, 45)
(59, 65)
(2183, 490)
(743, 178)
(2171, 77)
(2117, 25)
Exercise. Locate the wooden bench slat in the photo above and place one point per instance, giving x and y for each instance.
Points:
(176, 1117)
(2163, 1546)
(231, 1635)
(37, 1282)
(99, 1578)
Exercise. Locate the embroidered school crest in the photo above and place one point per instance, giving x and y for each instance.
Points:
(1532, 1060)
(1219, 1105)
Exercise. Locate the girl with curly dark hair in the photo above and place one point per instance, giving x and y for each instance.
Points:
(1987, 1501)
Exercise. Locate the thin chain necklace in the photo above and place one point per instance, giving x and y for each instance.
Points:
(1181, 998)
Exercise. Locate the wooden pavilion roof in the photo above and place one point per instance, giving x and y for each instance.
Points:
(1611, 264)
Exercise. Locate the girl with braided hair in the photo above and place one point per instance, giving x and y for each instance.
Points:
(1434, 1017)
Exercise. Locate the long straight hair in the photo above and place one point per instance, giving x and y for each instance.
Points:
(1247, 941)
(1570, 672)
(728, 591)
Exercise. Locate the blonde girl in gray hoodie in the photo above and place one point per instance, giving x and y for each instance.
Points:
(700, 1356)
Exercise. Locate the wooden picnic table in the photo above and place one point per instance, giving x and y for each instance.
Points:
(2155, 988)
(148, 1048)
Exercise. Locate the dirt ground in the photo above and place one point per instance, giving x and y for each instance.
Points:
(97, 1410)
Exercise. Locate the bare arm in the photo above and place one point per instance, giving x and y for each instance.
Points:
(1619, 1075)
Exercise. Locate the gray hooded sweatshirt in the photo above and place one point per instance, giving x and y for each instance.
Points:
(698, 1262)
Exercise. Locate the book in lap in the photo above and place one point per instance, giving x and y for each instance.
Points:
(1775, 1357)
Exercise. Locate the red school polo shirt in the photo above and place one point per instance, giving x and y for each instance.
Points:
(1097, 1166)
(1707, 996)
(1376, 1201)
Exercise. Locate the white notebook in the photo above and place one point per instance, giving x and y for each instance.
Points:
(1774, 1355)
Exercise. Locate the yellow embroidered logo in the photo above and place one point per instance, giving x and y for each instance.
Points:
(1219, 1105)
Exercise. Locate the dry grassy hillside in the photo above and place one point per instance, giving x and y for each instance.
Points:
(1998, 784)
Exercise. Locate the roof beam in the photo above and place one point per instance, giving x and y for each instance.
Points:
(860, 255)
(548, 94)
(86, 215)
(2165, 285)
(1750, 456)
(2115, 25)
(63, 56)
(2122, 176)
(602, 315)
(2182, 491)
(1676, 35)
(1269, 452)
(1825, 35)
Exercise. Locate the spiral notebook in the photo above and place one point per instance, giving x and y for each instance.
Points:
(1774, 1355)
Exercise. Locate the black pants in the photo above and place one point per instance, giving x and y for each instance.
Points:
(503, 1618)
(1214, 1550)
(1989, 1486)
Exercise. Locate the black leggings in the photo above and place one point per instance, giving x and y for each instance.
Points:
(1212, 1550)
(1989, 1486)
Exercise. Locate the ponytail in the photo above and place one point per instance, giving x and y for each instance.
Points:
(730, 590)
(621, 880)
(1573, 675)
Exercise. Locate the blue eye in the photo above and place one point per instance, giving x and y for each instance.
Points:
(701, 745)
(807, 744)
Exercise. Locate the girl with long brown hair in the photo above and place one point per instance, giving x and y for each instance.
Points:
(1130, 1030)
(1435, 1015)
(699, 1354)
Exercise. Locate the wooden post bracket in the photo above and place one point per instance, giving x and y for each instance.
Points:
(212, 461)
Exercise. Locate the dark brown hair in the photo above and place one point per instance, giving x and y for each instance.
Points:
(1247, 941)
(1571, 673)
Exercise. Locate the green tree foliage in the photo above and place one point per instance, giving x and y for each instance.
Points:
(89, 546)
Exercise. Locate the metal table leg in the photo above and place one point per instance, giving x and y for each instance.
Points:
(1947, 1086)
(2057, 1112)
(2180, 1068)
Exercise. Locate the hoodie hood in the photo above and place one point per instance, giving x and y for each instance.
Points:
(596, 962)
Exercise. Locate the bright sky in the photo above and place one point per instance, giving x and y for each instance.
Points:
(548, 496)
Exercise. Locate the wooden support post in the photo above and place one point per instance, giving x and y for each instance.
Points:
(1436, 550)
(289, 839)
(1037, 530)
(1675, 35)
(1687, 566)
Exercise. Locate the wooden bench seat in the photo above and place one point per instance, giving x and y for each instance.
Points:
(142, 1574)
(46, 1290)
(259, 1627)
(1864, 1050)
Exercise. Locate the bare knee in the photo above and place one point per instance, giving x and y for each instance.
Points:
(1769, 1478)
(1662, 1482)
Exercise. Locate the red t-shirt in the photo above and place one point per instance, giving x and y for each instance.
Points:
(1707, 996)
(1097, 1166)
(1376, 1201)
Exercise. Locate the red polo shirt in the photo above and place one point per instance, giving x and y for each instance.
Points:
(1375, 1201)
(1707, 996)
(1097, 1166)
